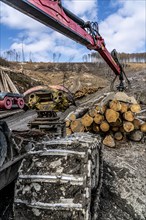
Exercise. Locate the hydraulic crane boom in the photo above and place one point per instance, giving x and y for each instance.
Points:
(53, 14)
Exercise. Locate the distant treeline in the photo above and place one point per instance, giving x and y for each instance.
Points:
(13, 55)
(124, 57)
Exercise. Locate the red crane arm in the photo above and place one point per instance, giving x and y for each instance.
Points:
(54, 15)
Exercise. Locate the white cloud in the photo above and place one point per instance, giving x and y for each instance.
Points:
(82, 7)
(125, 30)
(40, 40)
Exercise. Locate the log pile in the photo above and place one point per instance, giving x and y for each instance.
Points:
(116, 120)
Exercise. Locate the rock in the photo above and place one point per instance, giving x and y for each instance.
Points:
(124, 191)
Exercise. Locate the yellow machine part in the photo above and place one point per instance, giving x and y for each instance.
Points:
(49, 100)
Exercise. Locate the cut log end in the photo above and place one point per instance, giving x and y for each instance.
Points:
(128, 116)
(128, 126)
(86, 120)
(109, 141)
(143, 127)
(115, 105)
(135, 108)
(104, 126)
(111, 115)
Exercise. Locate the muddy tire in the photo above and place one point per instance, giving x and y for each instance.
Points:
(60, 180)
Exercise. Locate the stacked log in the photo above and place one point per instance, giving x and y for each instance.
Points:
(115, 121)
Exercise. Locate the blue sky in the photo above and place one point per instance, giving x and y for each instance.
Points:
(121, 23)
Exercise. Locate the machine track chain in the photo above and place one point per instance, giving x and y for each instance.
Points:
(60, 180)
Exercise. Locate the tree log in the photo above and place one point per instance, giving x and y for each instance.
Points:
(136, 123)
(98, 118)
(115, 105)
(135, 108)
(143, 127)
(67, 122)
(86, 120)
(92, 112)
(76, 126)
(136, 135)
(68, 131)
(77, 114)
(114, 128)
(118, 136)
(128, 116)
(109, 141)
(118, 123)
(111, 115)
(95, 128)
(128, 126)
(104, 126)
(124, 107)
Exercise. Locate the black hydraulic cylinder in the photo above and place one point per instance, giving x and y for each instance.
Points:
(74, 17)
